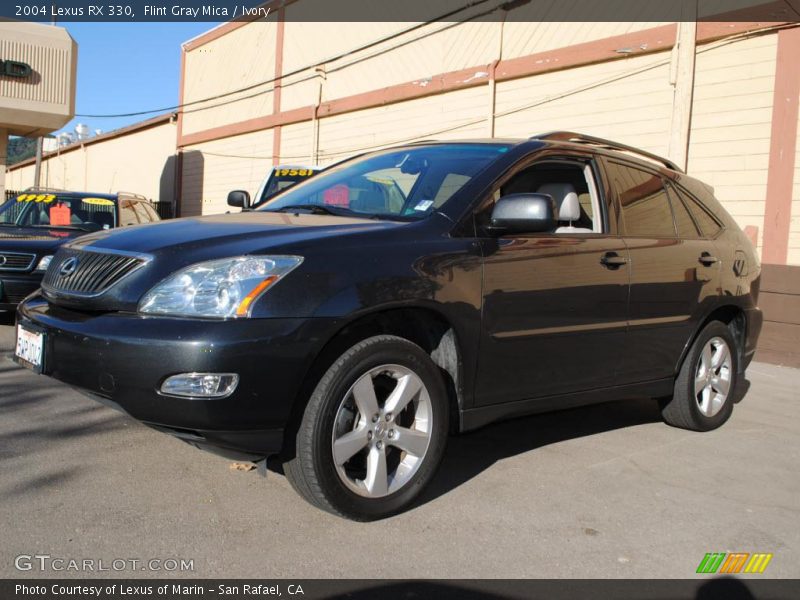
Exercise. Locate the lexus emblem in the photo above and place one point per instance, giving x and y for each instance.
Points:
(68, 267)
(3, 260)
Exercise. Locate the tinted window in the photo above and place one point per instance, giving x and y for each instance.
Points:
(687, 229)
(708, 225)
(151, 212)
(141, 212)
(644, 201)
(127, 216)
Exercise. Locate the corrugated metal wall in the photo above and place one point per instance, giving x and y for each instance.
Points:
(731, 124)
(237, 60)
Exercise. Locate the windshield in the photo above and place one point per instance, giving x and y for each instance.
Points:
(54, 210)
(281, 179)
(402, 184)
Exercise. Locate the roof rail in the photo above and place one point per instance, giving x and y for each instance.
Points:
(41, 188)
(133, 195)
(580, 138)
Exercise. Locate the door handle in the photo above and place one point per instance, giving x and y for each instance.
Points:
(612, 260)
(707, 260)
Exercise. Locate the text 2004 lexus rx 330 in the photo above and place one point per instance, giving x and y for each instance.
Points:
(358, 318)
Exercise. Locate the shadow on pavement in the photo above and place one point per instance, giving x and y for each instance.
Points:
(469, 454)
(718, 588)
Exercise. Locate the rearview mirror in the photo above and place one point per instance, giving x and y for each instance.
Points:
(239, 198)
(524, 213)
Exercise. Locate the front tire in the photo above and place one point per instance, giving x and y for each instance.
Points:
(705, 386)
(373, 432)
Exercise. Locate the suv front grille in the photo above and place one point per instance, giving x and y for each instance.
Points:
(16, 261)
(88, 273)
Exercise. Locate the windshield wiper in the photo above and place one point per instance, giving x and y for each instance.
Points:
(86, 228)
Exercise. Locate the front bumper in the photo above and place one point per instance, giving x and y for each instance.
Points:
(122, 360)
(14, 288)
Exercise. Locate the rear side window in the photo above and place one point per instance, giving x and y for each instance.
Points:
(154, 216)
(644, 201)
(127, 216)
(684, 222)
(709, 227)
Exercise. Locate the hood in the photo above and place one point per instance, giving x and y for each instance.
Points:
(35, 239)
(165, 247)
(229, 234)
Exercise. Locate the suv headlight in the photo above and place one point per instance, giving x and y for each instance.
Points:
(218, 289)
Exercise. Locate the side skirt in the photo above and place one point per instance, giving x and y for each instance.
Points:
(478, 417)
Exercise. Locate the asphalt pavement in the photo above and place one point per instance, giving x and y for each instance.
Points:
(603, 491)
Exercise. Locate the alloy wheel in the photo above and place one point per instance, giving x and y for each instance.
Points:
(712, 380)
(382, 431)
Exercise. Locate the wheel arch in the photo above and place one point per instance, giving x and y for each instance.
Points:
(731, 315)
(426, 326)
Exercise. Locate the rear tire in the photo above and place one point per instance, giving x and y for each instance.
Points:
(373, 432)
(706, 384)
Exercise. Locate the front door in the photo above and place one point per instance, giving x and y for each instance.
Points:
(554, 304)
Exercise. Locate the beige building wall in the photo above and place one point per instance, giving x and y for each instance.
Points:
(140, 161)
(45, 100)
(351, 133)
(236, 60)
(415, 56)
(731, 125)
(629, 101)
(212, 169)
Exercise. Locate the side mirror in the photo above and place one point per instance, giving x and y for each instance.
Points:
(239, 198)
(524, 213)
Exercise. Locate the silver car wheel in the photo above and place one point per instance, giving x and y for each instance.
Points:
(712, 380)
(382, 431)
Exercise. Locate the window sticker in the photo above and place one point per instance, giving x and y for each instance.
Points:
(295, 172)
(60, 215)
(423, 205)
(98, 201)
(338, 195)
(46, 198)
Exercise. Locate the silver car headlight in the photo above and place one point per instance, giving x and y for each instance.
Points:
(221, 289)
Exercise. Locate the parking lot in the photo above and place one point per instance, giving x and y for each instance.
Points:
(605, 491)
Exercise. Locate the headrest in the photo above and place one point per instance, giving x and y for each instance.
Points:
(558, 191)
(570, 209)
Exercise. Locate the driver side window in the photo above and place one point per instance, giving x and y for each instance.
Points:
(572, 187)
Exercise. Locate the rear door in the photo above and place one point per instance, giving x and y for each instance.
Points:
(674, 270)
(554, 304)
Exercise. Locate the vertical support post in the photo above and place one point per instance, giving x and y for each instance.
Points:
(682, 77)
(321, 75)
(492, 77)
(37, 170)
(782, 149)
(276, 95)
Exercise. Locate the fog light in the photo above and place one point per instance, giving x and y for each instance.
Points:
(200, 385)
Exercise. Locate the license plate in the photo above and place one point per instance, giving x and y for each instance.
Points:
(30, 348)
